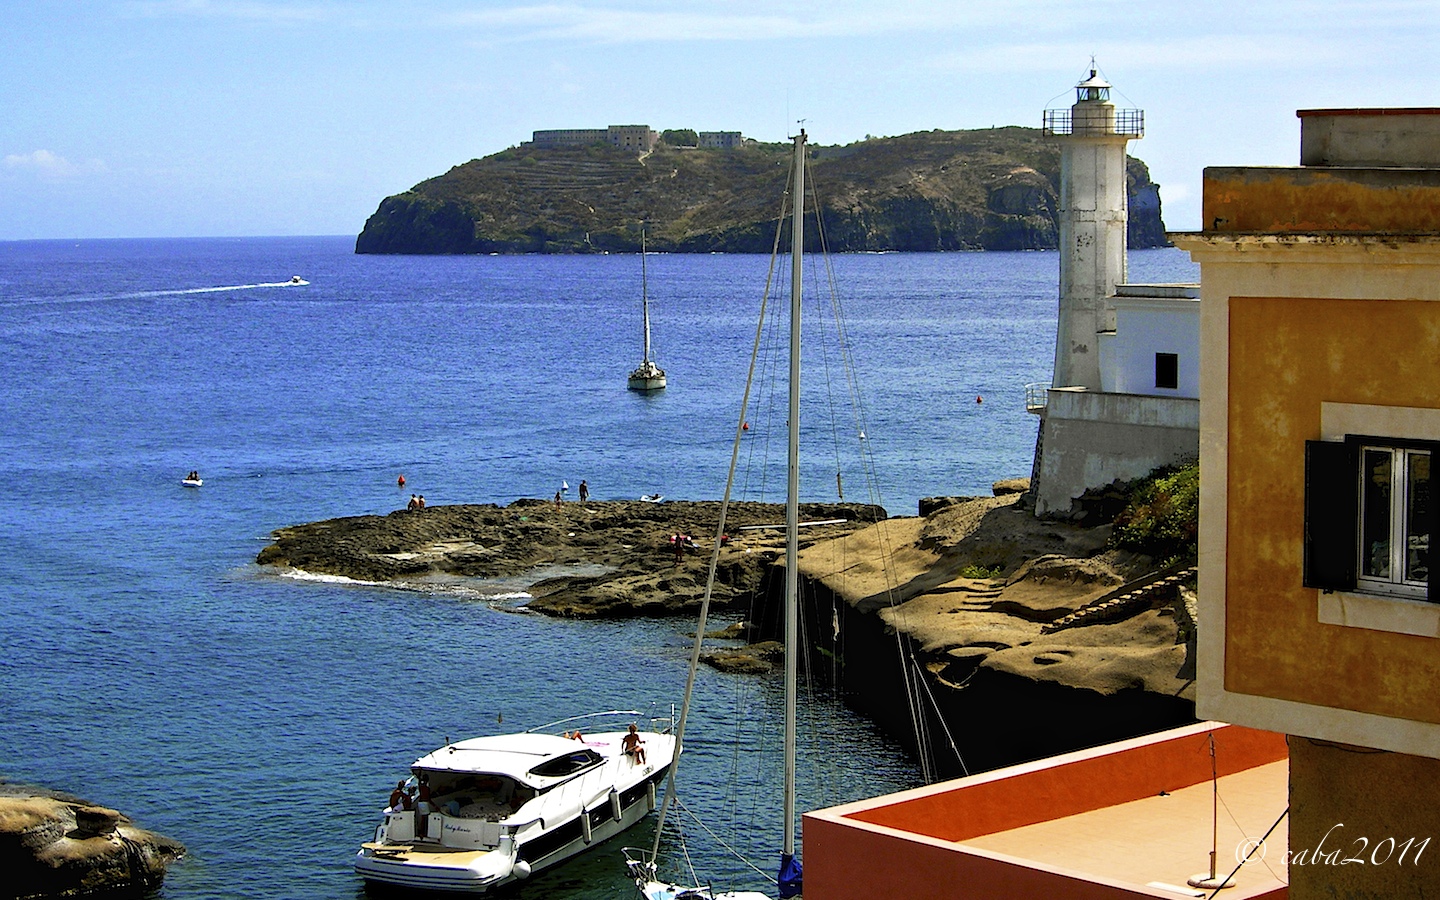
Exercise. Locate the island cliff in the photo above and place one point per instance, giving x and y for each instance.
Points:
(987, 189)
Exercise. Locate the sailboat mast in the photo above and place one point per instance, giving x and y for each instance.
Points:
(644, 295)
(792, 495)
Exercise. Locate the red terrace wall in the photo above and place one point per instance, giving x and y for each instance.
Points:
(860, 865)
(1074, 783)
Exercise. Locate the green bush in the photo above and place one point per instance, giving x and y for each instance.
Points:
(680, 137)
(980, 572)
(1162, 516)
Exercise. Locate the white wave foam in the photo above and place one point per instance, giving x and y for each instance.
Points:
(179, 292)
(302, 575)
(439, 587)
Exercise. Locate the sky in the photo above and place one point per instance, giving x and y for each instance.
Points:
(193, 118)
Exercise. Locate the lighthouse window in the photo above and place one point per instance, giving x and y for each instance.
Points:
(1167, 370)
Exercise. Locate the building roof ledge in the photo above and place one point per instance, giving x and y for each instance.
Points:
(1307, 238)
(1371, 111)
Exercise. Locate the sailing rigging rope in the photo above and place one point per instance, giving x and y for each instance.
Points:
(714, 564)
(913, 684)
(721, 841)
(945, 726)
(769, 357)
(840, 334)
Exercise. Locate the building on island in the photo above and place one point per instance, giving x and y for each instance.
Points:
(1320, 415)
(640, 138)
(1123, 397)
(721, 140)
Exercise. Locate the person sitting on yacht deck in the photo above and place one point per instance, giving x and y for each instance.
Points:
(397, 796)
(633, 746)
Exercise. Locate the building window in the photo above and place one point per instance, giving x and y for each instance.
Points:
(1369, 516)
(1167, 370)
(1394, 518)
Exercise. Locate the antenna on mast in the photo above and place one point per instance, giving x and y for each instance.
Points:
(1212, 881)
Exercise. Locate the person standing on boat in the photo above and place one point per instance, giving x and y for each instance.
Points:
(423, 806)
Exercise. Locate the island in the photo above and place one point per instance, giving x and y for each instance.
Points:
(1031, 636)
(980, 189)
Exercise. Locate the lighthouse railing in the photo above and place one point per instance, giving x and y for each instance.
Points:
(1127, 123)
(1037, 396)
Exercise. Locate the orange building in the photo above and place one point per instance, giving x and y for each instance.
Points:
(1320, 410)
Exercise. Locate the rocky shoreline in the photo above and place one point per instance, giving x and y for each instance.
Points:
(54, 845)
(1031, 637)
(600, 559)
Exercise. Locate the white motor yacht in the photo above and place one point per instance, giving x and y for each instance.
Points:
(505, 806)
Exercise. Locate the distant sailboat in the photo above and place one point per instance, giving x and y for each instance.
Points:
(647, 376)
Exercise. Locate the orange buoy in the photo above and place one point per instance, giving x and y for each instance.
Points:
(977, 399)
(744, 426)
(400, 481)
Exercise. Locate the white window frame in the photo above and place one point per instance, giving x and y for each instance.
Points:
(1395, 583)
(1379, 611)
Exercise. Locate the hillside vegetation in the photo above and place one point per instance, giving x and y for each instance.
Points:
(990, 189)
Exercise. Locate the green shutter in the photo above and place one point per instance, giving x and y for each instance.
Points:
(1330, 527)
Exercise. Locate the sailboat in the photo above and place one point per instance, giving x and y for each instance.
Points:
(789, 879)
(647, 376)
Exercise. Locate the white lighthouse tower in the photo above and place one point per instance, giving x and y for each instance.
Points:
(1092, 224)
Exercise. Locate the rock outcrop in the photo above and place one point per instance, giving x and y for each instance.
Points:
(1008, 637)
(986, 189)
(597, 559)
(56, 846)
(1031, 638)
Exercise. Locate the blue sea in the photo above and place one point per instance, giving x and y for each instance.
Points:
(261, 718)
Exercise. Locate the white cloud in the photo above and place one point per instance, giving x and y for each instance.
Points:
(52, 166)
(249, 10)
(601, 23)
(1191, 53)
